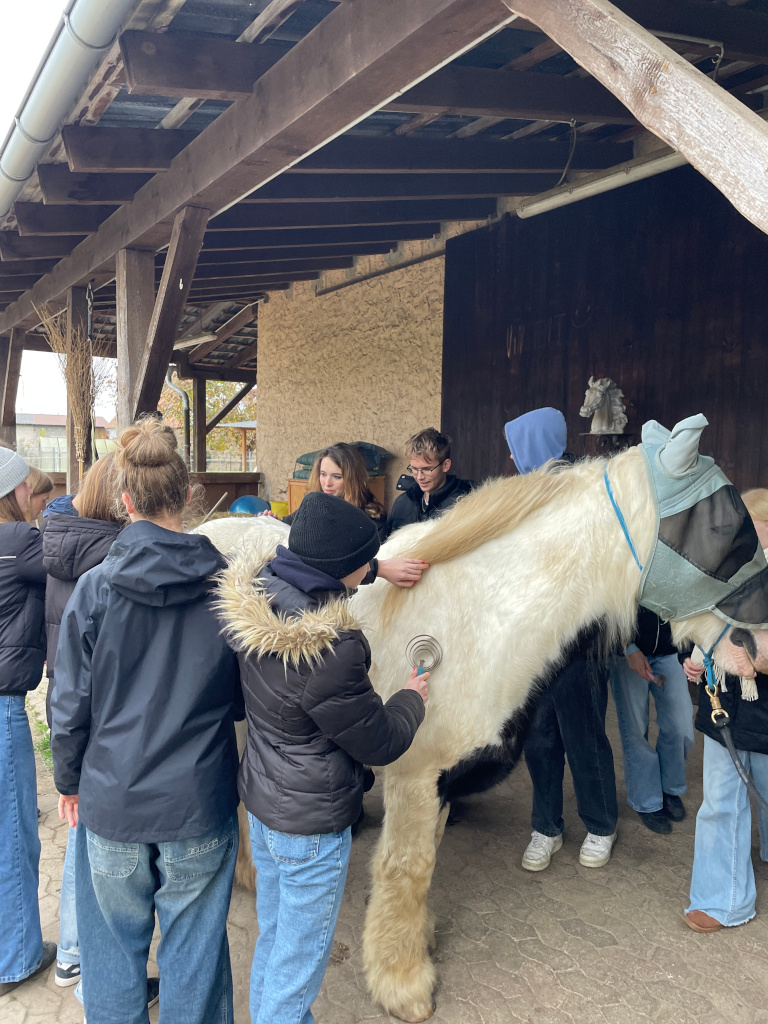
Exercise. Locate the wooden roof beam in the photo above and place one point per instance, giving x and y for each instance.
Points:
(37, 219)
(219, 271)
(335, 77)
(235, 323)
(61, 187)
(306, 188)
(129, 150)
(15, 248)
(188, 64)
(308, 252)
(523, 95)
(717, 134)
(341, 214)
(232, 241)
(388, 155)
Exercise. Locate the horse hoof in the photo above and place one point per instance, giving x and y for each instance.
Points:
(415, 1015)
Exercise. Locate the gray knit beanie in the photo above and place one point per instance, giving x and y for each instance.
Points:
(13, 471)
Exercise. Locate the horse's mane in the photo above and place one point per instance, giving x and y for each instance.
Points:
(486, 513)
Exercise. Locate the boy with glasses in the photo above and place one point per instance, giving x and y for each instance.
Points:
(434, 489)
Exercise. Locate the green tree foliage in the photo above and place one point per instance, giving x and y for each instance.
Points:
(218, 393)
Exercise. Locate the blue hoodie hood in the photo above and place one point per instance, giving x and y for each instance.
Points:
(536, 437)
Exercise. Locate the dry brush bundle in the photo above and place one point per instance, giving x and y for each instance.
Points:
(84, 379)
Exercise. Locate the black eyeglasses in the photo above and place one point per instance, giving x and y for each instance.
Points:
(425, 471)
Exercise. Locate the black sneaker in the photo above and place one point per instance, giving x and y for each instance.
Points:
(674, 807)
(153, 991)
(656, 821)
(49, 955)
(66, 974)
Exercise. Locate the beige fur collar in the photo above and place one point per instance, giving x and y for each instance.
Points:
(254, 628)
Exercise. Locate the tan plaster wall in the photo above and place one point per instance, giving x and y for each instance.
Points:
(359, 364)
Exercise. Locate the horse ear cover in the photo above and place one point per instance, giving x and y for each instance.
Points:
(678, 453)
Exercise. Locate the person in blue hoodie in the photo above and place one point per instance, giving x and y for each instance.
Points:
(568, 719)
(144, 751)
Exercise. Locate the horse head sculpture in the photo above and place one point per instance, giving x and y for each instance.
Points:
(519, 569)
(603, 401)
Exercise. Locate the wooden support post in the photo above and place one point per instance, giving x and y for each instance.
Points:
(77, 331)
(135, 299)
(244, 449)
(199, 434)
(183, 250)
(713, 130)
(10, 357)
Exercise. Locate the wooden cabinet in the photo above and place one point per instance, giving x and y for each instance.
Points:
(298, 488)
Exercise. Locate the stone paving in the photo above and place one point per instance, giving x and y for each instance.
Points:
(565, 945)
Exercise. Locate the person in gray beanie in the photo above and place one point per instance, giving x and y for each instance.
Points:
(23, 954)
(313, 721)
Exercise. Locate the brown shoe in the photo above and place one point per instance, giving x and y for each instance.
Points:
(701, 922)
(49, 955)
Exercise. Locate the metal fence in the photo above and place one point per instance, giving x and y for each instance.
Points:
(52, 458)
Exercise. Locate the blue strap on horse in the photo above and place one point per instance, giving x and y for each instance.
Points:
(720, 717)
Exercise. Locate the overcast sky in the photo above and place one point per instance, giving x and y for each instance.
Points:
(26, 26)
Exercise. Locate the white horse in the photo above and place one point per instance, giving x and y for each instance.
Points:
(519, 568)
(603, 401)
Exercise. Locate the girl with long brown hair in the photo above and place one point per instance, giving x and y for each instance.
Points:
(144, 751)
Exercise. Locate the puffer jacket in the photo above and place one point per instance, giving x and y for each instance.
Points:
(147, 692)
(313, 717)
(71, 546)
(22, 623)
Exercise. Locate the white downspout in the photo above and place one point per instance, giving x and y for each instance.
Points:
(87, 29)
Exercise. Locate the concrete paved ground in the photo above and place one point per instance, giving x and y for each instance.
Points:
(565, 945)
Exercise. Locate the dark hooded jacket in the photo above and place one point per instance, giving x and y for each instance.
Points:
(22, 624)
(411, 508)
(146, 692)
(313, 717)
(71, 546)
(748, 718)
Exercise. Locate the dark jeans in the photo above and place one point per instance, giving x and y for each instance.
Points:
(569, 721)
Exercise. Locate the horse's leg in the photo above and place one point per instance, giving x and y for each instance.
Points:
(397, 928)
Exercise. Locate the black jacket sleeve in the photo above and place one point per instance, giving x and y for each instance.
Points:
(341, 701)
(29, 555)
(71, 701)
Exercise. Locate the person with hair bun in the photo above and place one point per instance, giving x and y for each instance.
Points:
(23, 954)
(144, 751)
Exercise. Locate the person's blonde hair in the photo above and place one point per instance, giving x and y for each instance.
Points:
(429, 444)
(10, 509)
(40, 482)
(150, 469)
(756, 501)
(353, 473)
(98, 496)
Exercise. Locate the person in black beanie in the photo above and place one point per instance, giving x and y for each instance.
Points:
(313, 721)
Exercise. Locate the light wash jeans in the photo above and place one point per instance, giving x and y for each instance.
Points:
(68, 951)
(650, 772)
(21, 941)
(299, 885)
(723, 881)
(119, 888)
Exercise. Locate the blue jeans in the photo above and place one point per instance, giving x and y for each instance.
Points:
(21, 941)
(723, 882)
(119, 888)
(68, 951)
(569, 719)
(650, 772)
(299, 886)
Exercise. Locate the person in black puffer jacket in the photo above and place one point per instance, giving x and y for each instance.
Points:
(144, 752)
(23, 953)
(313, 721)
(73, 544)
(434, 490)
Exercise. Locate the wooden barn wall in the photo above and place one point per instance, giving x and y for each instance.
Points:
(660, 285)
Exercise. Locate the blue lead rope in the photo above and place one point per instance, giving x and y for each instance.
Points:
(620, 517)
(709, 663)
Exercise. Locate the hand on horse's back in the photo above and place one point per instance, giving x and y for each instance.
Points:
(403, 572)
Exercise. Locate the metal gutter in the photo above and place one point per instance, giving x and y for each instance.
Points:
(88, 28)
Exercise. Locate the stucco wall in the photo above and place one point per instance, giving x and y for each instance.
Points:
(359, 364)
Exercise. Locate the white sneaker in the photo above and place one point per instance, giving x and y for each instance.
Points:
(596, 850)
(538, 852)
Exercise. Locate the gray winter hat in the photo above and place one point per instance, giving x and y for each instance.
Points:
(13, 471)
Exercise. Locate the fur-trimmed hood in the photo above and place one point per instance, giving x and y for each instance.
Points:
(253, 626)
